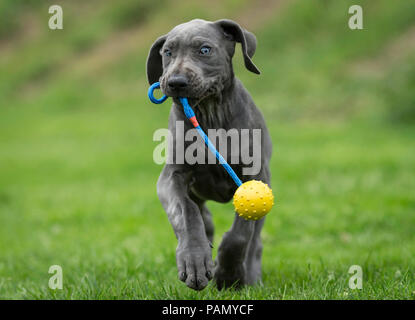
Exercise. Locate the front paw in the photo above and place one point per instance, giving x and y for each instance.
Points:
(195, 265)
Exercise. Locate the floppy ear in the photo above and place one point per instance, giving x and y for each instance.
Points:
(235, 32)
(154, 62)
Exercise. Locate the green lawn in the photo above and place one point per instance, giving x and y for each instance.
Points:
(78, 181)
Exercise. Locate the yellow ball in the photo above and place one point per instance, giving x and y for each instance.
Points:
(253, 200)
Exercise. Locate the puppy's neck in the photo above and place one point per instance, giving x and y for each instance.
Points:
(214, 112)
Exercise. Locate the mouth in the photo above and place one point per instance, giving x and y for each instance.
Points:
(184, 93)
(175, 93)
(194, 101)
(178, 94)
(195, 94)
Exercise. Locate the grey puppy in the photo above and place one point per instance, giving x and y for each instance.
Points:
(194, 60)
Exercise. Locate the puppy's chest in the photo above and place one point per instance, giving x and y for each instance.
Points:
(211, 182)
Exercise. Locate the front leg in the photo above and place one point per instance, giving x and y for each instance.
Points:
(193, 254)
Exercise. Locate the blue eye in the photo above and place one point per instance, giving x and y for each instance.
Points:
(167, 52)
(205, 50)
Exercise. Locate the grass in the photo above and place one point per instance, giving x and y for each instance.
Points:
(77, 178)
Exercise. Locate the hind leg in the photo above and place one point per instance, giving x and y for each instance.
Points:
(253, 259)
(231, 268)
(239, 255)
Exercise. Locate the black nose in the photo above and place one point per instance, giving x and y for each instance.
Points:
(177, 82)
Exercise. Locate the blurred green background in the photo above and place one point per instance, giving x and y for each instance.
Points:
(78, 181)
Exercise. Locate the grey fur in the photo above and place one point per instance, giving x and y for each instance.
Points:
(220, 101)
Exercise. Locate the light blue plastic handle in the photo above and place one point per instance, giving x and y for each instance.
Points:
(151, 96)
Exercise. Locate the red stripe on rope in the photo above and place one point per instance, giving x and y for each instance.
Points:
(194, 121)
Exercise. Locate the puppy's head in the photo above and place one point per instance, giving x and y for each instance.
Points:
(194, 59)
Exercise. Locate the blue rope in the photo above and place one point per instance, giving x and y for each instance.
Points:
(189, 114)
(188, 111)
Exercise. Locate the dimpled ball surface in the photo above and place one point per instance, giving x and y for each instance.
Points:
(253, 200)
